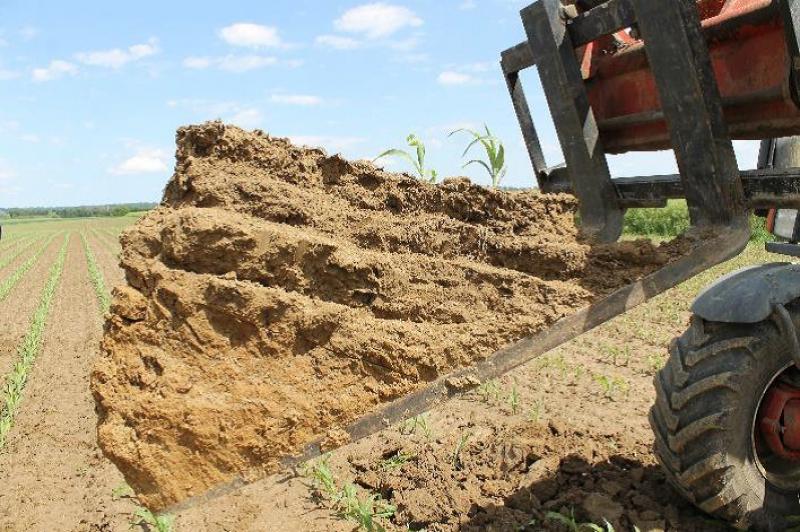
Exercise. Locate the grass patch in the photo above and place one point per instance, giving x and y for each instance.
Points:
(672, 220)
(8, 285)
(96, 277)
(30, 348)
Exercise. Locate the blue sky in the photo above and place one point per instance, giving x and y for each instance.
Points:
(93, 91)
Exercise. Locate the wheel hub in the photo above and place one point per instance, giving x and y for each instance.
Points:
(779, 421)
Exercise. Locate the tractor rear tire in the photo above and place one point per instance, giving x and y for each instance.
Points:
(707, 401)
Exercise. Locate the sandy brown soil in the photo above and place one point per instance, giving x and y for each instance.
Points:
(574, 445)
(54, 477)
(279, 294)
(52, 473)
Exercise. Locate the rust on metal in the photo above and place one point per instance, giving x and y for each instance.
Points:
(750, 57)
(779, 421)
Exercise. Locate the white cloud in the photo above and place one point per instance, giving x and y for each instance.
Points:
(6, 74)
(230, 63)
(377, 20)
(248, 118)
(144, 161)
(30, 137)
(244, 115)
(338, 42)
(296, 99)
(29, 33)
(467, 5)
(117, 57)
(450, 77)
(8, 126)
(251, 35)
(54, 70)
(245, 63)
(198, 63)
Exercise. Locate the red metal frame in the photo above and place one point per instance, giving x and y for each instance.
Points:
(779, 421)
(750, 57)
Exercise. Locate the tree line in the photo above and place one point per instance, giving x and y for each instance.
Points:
(85, 211)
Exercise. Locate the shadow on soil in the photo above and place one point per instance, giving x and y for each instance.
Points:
(620, 491)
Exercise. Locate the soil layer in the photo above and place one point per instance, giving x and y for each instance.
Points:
(278, 294)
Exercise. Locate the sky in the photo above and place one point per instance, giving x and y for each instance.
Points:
(92, 92)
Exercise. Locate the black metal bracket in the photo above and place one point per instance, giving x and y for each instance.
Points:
(692, 105)
(790, 11)
(546, 27)
(716, 191)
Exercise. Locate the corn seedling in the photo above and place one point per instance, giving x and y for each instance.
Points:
(421, 423)
(393, 463)
(123, 491)
(654, 363)
(611, 386)
(617, 356)
(462, 442)
(417, 160)
(365, 511)
(96, 277)
(9, 283)
(536, 412)
(322, 478)
(514, 399)
(29, 350)
(149, 521)
(495, 164)
(489, 391)
(109, 242)
(11, 241)
(5, 261)
(574, 526)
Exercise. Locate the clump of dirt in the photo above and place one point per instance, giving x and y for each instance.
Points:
(278, 294)
(505, 475)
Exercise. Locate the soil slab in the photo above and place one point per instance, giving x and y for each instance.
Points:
(278, 294)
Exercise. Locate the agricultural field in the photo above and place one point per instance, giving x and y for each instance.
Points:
(579, 413)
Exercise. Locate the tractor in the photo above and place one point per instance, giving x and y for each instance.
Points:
(690, 76)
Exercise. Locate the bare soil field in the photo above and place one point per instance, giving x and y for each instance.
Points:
(565, 433)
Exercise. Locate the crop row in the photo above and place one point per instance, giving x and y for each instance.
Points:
(109, 241)
(96, 277)
(11, 257)
(30, 347)
(9, 283)
(12, 241)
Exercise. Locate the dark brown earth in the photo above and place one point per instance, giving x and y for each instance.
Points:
(278, 294)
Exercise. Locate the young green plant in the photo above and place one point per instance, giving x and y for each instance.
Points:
(365, 511)
(8, 284)
(96, 277)
(159, 522)
(30, 348)
(495, 163)
(417, 160)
